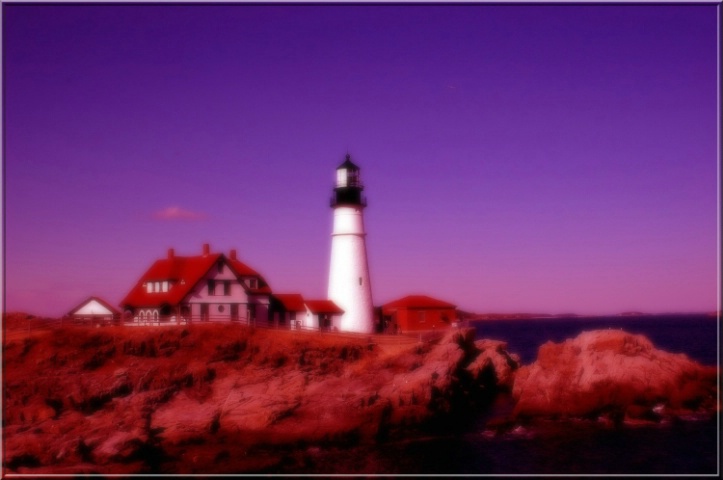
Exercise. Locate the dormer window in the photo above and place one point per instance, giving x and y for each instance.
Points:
(164, 286)
(252, 283)
(149, 287)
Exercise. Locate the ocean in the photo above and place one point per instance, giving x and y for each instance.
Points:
(693, 335)
(684, 447)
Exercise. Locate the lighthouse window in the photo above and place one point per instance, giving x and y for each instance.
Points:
(360, 280)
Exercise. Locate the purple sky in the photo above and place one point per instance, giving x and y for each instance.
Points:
(516, 158)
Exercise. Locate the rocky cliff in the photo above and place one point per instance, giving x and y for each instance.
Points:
(232, 399)
(614, 375)
(224, 398)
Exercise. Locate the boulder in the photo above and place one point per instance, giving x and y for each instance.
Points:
(611, 371)
(494, 364)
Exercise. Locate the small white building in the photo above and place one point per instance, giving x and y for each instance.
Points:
(288, 310)
(323, 315)
(291, 310)
(94, 311)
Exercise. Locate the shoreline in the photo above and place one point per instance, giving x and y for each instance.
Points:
(149, 397)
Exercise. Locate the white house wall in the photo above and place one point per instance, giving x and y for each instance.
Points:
(291, 323)
(308, 319)
(200, 291)
(93, 307)
(336, 322)
(237, 295)
(200, 295)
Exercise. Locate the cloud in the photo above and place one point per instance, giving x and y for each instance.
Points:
(178, 213)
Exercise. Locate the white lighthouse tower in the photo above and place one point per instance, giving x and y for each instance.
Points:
(349, 283)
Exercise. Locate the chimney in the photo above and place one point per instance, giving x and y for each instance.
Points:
(206, 249)
(171, 253)
(232, 254)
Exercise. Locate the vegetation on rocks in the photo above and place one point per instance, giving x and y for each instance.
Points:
(233, 399)
(227, 398)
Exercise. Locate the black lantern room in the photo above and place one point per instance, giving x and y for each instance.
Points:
(348, 185)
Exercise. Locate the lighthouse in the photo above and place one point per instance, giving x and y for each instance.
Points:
(349, 283)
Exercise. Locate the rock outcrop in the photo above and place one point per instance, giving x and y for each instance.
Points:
(122, 400)
(614, 374)
(232, 399)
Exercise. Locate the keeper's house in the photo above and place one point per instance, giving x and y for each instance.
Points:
(205, 288)
(418, 312)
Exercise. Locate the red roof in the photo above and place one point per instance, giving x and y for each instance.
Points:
(97, 299)
(417, 301)
(184, 273)
(323, 306)
(292, 302)
(244, 270)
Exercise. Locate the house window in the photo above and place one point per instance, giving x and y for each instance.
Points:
(149, 287)
(204, 312)
(220, 267)
(157, 287)
(292, 315)
(221, 308)
(234, 312)
(212, 287)
(164, 286)
(227, 287)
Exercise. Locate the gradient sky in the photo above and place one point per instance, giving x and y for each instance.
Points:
(517, 158)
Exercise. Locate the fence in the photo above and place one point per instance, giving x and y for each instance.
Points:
(30, 324)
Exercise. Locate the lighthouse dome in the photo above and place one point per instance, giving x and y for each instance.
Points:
(347, 174)
(348, 164)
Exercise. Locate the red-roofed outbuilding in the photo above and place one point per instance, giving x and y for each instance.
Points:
(323, 314)
(323, 306)
(287, 309)
(300, 314)
(419, 312)
(206, 287)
